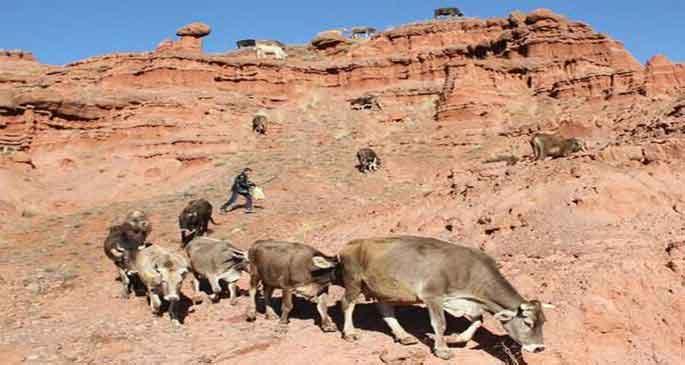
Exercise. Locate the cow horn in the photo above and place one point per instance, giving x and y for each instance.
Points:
(548, 306)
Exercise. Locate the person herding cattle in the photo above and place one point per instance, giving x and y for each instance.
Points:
(241, 186)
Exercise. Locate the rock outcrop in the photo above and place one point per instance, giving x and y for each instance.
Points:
(330, 41)
(664, 77)
(190, 39)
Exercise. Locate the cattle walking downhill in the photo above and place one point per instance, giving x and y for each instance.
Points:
(295, 268)
(446, 277)
(215, 260)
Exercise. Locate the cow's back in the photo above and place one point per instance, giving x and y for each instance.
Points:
(147, 257)
(282, 264)
(401, 269)
(210, 256)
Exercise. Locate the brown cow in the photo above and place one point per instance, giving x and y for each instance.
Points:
(549, 145)
(194, 219)
(445, 277)
(216, 260)
(124, 238)
(294, 268)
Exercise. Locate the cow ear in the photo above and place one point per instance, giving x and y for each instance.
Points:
(322, 263)
(505, 315)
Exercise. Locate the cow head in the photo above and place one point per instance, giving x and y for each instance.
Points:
(189, 222)
(171, 273)
(576, 145)
(324, 269)
(136, 227)
(524, 325)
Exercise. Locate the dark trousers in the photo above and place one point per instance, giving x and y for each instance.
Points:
(234, 197)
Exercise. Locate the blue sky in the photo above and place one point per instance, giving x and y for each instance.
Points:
(62, 31)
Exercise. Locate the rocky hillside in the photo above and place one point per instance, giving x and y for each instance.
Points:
(600, 233)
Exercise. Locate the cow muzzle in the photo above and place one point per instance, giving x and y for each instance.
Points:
(171, 298)
(534, 348)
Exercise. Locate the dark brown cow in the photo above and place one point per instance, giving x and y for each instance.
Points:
(122, 240)
(368, 160)
(194, 219)
(445, 277)
(295, 268)
(259, 124)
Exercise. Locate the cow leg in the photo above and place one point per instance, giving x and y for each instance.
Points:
(437, 316)
(155, 302)
(126, 283)
(254, 282)
(268, 292)
(401, 336)
(286, 307)
(173, 312)
(322, 307)
(216, 288)
(467, 335)
(349, 300)
(233, 291)
(196, 289)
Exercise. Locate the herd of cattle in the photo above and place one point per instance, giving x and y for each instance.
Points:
(401, 270)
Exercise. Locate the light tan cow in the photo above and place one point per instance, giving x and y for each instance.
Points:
(162, 272)
(445, 277)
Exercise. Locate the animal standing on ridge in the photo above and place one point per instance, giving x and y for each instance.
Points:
(549, 145)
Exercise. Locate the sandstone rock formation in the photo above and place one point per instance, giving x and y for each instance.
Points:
(190, 39)
(197, 30)
(330, 41)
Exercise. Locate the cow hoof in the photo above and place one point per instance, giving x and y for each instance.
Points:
(197, 300)
(329, 327)
(175, 323)
(351, 337)
(282, 328)
(251, 316)
(444, 354)
(408, 340)
(271, 316)
(214, 298)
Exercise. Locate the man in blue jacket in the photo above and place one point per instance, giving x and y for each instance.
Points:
(241, 186)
